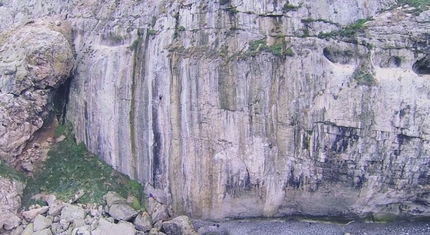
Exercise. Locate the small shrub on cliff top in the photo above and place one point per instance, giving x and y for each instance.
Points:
(70, 167)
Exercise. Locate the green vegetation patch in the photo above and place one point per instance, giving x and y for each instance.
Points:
(181, 28)
(289, 7)
(233, 10)
(348, 31)
(415, 3)
(277, 49)
(364, 78)
(7, 171)
(135, 45)
(70, 167)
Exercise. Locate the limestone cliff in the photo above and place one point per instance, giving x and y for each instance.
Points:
(238, 108)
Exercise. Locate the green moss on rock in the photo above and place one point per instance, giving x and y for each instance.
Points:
(7, 171)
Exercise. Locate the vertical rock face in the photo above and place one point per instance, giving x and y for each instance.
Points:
(238, 109)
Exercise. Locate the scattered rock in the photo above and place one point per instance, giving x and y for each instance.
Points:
(122, 212)
(106, 228)
(55, 207)
(71, 213)
(62, 226)
(45, 231)
(60, 138)
(158, 225)
(180, 225)
(78, 223)
(155, 231)
(85, 230)
(27, 166)
(28, 230)
(41, 222)
(32, 213)
(143, 222)
(112, 198)
(78, 195)
(9, 220)
(157, 210)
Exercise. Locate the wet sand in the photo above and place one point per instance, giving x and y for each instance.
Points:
(280, 227)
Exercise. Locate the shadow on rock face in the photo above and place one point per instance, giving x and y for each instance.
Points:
(336, 55)
(422, 66)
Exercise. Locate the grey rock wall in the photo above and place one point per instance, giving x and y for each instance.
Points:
(238, 109)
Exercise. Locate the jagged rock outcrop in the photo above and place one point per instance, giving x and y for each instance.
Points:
(34, 60)
(241, 109)
(10, 201)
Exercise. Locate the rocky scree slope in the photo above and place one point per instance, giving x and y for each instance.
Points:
(243, 108)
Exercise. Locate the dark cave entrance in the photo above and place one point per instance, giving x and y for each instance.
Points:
(61, 99)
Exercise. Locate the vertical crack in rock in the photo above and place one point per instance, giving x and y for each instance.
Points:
(138, 72)
(61, 98)
(176, 168)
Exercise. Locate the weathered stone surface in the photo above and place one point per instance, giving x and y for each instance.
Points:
(122, 212)
(28, 230)
(55, 207)
(114, 198)
(106, 228)
(155, 231)
(41, 222)
(180, 225)
(78, 223)
(71, 213)
(45, 231)
(10, 200)
(143, 222)
(157, 211)
(32, 213)
(34, 59)
(9, 221)
(62, 226)
(85, 230)
(10, 194)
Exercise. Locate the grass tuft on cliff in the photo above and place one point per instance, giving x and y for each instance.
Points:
(415, 3)
(349, 31)
(70, 167)
(8, 172)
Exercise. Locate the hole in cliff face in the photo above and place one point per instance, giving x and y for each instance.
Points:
(391, 62)
(396, 61)
(336, 55)
(422, 66)
(61, 98)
